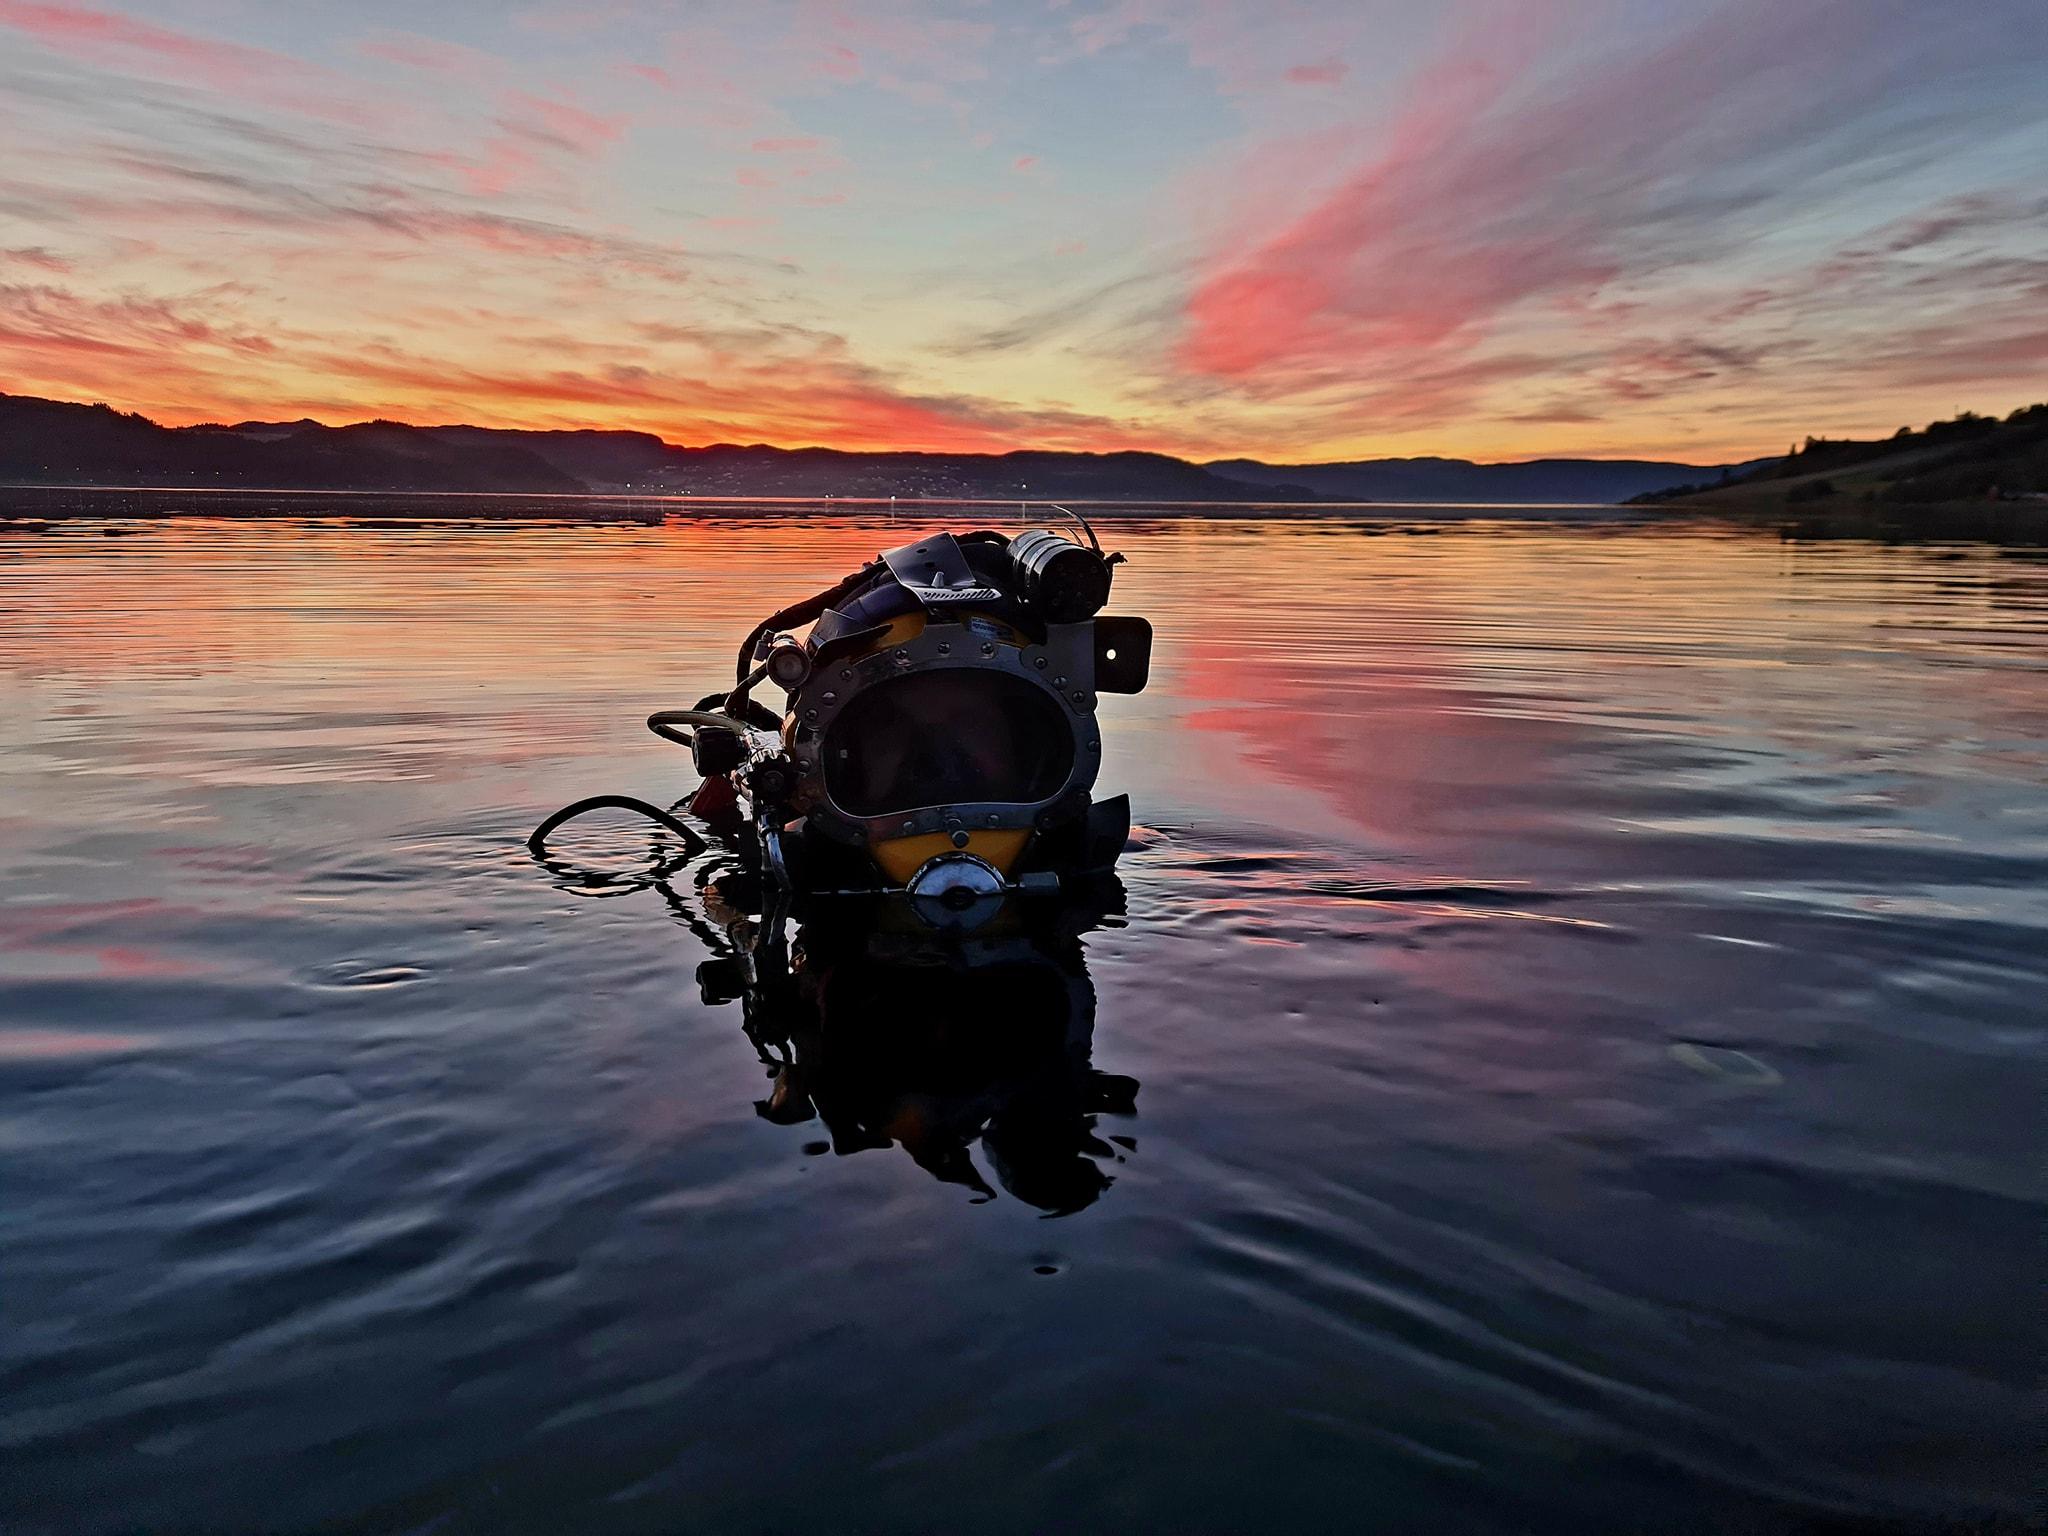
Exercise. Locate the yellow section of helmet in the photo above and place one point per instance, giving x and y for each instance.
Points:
(906, 627)
(902, 857)
(903, 628)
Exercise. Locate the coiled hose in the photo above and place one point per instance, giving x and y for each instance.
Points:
(666, 724)
(692, 843)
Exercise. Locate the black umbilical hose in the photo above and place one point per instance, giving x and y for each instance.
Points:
(666, 724)
(663, 722)
(692, 843)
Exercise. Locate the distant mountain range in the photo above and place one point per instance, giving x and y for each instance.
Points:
(46, 442)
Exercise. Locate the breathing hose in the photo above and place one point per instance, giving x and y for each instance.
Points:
(692, 843)
(663, 723)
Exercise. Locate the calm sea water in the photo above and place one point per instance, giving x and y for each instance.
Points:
(1583, 987)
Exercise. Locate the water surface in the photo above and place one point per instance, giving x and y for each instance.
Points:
(1582, 986)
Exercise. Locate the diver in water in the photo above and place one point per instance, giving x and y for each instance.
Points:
(921, 805)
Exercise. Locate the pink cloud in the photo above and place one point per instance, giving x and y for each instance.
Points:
(501, 167)
(38, 256)
(1505, 190)
(431, 54)
(567, 126)
(751, 390)
(534, 135)
(109, 39)
(1243, 48)
(529, 237)
(784, 146)
(60, 342)
(905, 48)
(79, 30)
(1023, 162)
(367, 227)
(1326, 72)
(1348, 273)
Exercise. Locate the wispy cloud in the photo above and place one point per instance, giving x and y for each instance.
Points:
(117, 41)
(40, 257)
(1322, 72)
(561, 124)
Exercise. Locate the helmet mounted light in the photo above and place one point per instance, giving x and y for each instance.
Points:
(1066, 582)
(788, 664)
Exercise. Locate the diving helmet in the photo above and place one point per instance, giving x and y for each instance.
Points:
(938, 733)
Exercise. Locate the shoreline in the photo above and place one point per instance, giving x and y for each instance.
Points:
(1851, 516)
(33, 507)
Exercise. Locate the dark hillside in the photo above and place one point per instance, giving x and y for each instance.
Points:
(53, 443)
(1967, 458)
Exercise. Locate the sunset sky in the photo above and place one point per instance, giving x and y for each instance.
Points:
(1299, 231)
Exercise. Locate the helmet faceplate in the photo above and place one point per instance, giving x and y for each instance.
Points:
(947, 724)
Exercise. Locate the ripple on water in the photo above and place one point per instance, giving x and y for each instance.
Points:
(368, 975)
(1725, 1063)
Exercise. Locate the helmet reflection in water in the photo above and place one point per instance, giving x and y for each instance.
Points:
(891, 1036)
